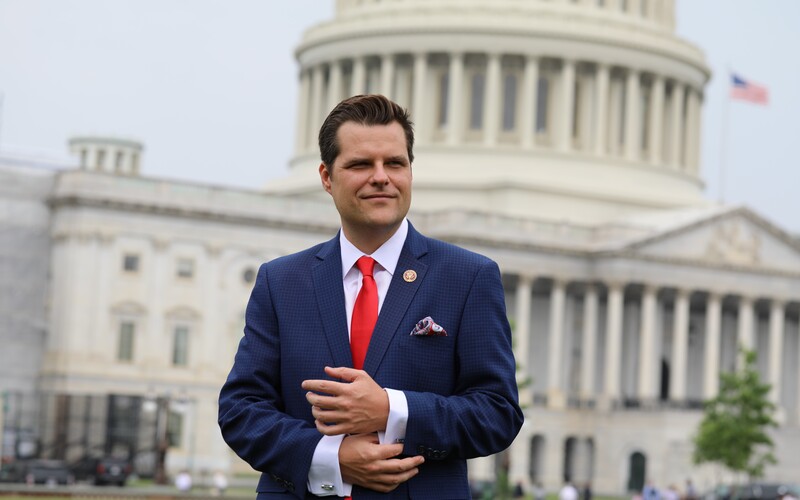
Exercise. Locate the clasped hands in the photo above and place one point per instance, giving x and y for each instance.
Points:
(358, 407)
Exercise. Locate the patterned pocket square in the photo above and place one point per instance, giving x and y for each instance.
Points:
(426, 327)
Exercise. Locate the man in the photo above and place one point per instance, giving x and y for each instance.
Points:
(374, 364)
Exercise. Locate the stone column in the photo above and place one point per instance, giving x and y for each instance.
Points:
(387, 74)
(697, 130)
(522, 334)
(676, 140)
(564, 136)
(632, 108)
(553, 460)
(520, 458)
(154, 351)
(482, 468)
(492, 107)
(358, 80)
(711, 362)
(689, 130)
(634, 6)
(613, 340)
(589, 347)
(655, 128)
(530, 84)
(601, 103)
(797, 409)
(649, 365)
(680, 346)
(101, 328)
(418, 114)
(455, 100)
(214, 324)
(776, 334)
(555, 389)
(334, 85)
(301, 136)
(745, 324)
(315, 106)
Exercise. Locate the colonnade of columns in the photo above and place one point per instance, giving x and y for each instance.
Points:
(616, 318)
(520, 100)
(108, 158)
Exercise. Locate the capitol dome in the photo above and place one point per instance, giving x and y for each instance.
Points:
(579, 110)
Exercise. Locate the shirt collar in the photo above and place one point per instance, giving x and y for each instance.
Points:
(386, 255)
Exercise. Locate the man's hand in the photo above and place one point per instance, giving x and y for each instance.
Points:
(357, 405)
(366, 463)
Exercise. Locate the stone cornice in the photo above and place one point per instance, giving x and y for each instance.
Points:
(189, 201)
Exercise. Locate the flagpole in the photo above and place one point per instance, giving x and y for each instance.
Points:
(723, 154)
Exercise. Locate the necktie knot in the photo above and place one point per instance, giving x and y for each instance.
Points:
(366, 265)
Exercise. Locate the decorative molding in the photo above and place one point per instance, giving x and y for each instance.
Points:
(733, 243)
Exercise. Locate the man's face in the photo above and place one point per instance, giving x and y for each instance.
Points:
(370, 180)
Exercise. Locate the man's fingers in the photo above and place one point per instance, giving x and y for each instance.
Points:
(320, 401)
(324, 386)
(343, 373)
(387, 451)
(329, 430)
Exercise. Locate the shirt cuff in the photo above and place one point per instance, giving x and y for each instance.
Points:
(398, 418)
(325, 476)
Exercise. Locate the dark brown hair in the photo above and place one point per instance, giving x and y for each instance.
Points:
(372, 109)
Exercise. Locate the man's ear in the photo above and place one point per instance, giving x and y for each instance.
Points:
(325, 177)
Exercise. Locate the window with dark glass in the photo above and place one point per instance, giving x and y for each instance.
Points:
(180, 346)
(130, 262)
(542, 99)
(509, 102)
(477, 86)
(185, 268)
(125, 341)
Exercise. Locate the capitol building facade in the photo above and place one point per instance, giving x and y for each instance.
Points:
(558, 137)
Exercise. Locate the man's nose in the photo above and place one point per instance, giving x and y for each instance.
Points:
(379, 175)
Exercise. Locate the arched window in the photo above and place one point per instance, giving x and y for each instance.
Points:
(570, 445)
(536, 471)
(637, 469)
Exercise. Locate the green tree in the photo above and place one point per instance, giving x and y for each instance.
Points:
(734, 429)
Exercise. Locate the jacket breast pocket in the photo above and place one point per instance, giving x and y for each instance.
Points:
(427, 363)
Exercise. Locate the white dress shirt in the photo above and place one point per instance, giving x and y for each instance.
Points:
(325, 476)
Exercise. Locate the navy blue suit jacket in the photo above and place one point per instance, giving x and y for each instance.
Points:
(461, 388)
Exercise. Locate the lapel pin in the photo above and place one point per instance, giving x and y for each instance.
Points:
(410, 275)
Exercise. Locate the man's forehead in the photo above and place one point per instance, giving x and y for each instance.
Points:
(353, 135)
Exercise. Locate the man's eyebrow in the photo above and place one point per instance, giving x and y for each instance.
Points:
(398, 159)
(356, 161)
(360, 161)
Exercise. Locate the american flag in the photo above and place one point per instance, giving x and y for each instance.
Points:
(748, 91)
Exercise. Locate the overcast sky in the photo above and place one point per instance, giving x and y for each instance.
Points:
(209, 86)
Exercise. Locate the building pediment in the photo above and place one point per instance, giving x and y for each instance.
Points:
(735, 238)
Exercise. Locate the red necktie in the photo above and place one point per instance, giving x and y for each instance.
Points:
(365, 312)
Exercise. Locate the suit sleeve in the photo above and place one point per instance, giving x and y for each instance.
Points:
(482, 415)
(251, 406)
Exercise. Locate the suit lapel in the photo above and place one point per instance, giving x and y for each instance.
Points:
(327, 276)
(398, 298)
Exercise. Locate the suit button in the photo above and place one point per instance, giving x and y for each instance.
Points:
(421, 450)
